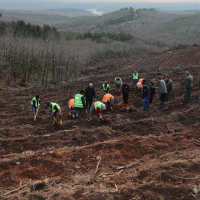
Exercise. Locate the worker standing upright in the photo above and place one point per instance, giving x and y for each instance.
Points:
(118, 83)
(97, 107)
(146, 95)
(106, 88)
(125, 93)
(35, 103)
(188, 83)
(169, 86)
(162, 92)
(79, 104)
(90, 94)
(56, 109)
(152, 86)
(135, 78)
(199, 90)
(139, 86)
(109, 99)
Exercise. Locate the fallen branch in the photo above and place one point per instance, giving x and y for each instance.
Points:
(15, 190)
(99, 160)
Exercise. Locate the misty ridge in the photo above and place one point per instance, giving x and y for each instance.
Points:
(104, 7)
(48, 42)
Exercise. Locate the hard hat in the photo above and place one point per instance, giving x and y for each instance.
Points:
(103, 107)
(111, 99)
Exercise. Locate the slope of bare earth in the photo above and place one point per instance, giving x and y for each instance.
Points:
(131, 155)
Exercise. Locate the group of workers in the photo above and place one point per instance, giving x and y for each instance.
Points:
(85, 101)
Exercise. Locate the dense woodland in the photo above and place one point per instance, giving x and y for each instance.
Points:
(41, 55)
(44, 54)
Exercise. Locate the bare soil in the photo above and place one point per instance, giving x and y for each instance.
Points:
(131, 155)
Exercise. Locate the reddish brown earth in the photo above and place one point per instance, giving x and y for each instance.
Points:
(144, 155)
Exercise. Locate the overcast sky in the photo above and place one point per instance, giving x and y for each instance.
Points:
(121, 1)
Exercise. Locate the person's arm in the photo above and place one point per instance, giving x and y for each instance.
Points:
(121, 81)
(55, 113)
(85, 94)
(148, 94)
(116, 81)
(138, 77)
(172, 87)
(83, 101)
(34, 103)
(94, 94)
(128, 89)
(132, 78)
(98, 112)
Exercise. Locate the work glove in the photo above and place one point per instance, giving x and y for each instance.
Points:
(101, 117)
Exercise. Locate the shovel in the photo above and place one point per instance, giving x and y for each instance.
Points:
(36, 114)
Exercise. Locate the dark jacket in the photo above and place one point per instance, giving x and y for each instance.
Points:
(169, 85)
(162, 87)
(146, 92)
(125, 89)
(188, 83)
(90, 93)
(83, 101)
(152, 87)
(199, 82)
(38, 102)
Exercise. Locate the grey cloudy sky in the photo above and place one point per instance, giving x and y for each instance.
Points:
(121, 1)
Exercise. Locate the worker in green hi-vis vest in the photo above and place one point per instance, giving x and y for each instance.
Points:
(135, 78)
(55, 108)
(118, 83)
(35, 103)
(97, 107)
(80, 105)
(106, 88)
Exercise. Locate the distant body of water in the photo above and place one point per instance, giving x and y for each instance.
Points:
(95, 12)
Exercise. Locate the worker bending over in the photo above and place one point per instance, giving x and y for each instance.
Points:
(71, 108)
(118, 83)
(35, 103)
(55, 108)
(109, 99)
(97, 107)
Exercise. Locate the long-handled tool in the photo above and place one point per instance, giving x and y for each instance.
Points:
(36, 113)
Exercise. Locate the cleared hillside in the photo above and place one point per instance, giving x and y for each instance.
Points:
(131, 155)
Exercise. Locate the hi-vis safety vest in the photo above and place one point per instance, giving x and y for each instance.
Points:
(78, 101)
(135, 76)
(53, 105)
(97, 104)
(71, 103)
(36, 101)
(105, 88)
(141, 79)
(118, 80)
(139, 85)
(107, 97)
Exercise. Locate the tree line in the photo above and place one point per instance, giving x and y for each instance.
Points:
(48, 58)
(21, 28)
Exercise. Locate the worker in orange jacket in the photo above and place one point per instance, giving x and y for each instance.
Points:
(139, 87)
(71, 108)
(109, 99)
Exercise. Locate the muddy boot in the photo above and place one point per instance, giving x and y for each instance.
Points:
(124, 106)
(73, 115)
(161, 104)
(166, 107)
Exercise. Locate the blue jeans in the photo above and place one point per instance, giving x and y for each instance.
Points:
(34, 109)
(106, 92)
(145, 103)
